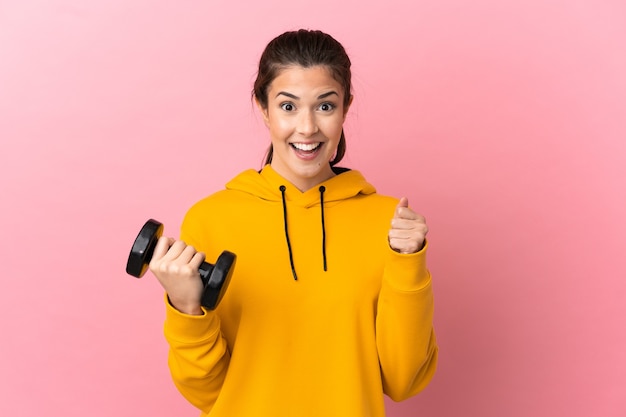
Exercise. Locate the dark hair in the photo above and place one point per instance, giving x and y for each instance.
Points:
(305, 48)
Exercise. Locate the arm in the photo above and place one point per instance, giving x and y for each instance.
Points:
(407, 347)
(404, 323)
(198, 355)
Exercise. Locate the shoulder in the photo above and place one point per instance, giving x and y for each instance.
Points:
(220, 201)
(376, 204)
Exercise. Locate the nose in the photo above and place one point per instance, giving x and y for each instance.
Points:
(307, 124)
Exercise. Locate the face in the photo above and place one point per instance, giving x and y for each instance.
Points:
(304, 115)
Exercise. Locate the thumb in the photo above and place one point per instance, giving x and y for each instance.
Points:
(404, 202)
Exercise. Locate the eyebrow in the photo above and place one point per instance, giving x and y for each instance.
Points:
(320, 97)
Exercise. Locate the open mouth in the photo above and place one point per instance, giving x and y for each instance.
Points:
(306, 147)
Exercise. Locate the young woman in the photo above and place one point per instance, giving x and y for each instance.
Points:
(330, 304)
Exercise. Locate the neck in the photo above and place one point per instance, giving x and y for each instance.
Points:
(304, 182)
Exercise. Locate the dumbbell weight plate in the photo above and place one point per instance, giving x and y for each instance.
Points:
(143, 248)
(216, 279)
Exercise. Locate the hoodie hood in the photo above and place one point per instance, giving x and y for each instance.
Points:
(268, 185)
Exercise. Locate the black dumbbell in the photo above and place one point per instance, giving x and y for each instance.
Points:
(214, 277)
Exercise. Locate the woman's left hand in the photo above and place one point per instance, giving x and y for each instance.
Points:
(408, 229)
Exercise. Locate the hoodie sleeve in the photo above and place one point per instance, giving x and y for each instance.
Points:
(198, 356)
(404, 325)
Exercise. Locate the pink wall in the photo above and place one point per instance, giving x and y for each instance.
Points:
(503, 122)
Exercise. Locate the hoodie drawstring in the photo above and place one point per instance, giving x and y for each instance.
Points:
(293, 268)
(282, 189)
(322, 189)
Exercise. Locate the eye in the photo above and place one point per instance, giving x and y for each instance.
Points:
(326, 107)
(287, 106)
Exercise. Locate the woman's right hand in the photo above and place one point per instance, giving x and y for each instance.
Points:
(175, 264)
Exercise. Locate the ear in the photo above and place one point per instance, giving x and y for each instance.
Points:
(263, 111)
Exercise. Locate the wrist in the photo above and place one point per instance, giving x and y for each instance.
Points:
(192, 309)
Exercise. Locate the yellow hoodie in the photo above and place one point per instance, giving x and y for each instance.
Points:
(290, 339)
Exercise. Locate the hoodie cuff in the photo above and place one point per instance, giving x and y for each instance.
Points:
(186, 328)
(407, 272)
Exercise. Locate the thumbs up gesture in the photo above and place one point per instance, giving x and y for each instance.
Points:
(408, 229)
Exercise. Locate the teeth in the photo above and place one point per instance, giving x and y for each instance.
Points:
(306, 146)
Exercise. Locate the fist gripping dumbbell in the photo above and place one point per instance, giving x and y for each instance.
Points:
(214, 277)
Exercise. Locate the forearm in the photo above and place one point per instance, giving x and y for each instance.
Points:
(198, 357)
(406, 340)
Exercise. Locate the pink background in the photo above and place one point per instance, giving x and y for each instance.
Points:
(504, 122)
